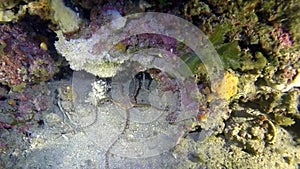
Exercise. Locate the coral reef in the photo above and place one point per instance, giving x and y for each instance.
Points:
(249, 113)
(259, 53)
(67, 20)
(19, 110)
(40, 8)
(6, 12)
(20, 114)
(262, 49)
(261, 45)
(55, 11)
(100, 56)
(22, 61)
(83, 59)
(250, 130)
(215, 152)
(227, 87)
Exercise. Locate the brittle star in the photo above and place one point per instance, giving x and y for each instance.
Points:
(131, 103)
(126, 105)
(126, 126)
(126, 108)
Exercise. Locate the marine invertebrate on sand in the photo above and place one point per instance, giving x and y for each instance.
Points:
(22, 60)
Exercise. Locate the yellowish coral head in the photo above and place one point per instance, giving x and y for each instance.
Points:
(227, 86)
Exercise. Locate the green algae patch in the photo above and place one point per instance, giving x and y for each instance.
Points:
(283, 120)
(217, 38)
(256, 63)
(229, 53)
(19, 87)
(2, 46)
(192, 61)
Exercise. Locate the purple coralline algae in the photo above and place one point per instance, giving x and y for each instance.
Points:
(22, 59)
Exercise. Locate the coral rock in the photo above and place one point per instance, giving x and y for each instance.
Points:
(22, 60)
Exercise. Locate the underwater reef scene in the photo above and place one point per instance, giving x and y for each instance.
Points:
(150, 84)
